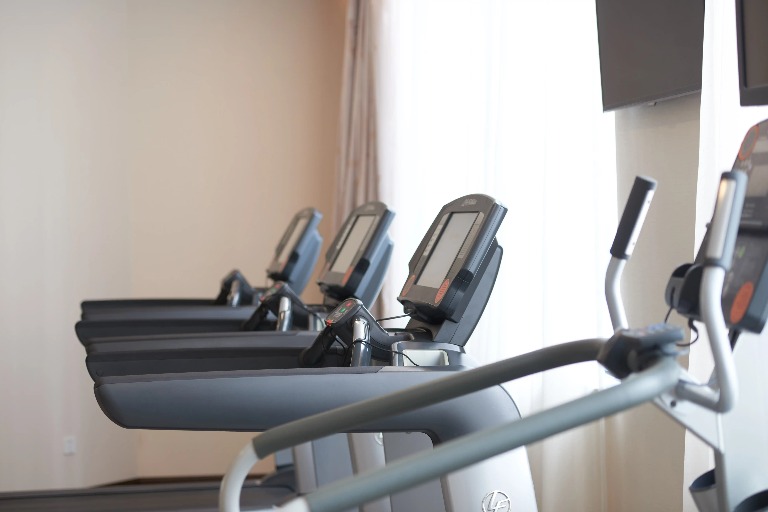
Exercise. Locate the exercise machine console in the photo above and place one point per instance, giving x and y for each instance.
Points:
(362, 246)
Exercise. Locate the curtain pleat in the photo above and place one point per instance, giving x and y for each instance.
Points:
(357, 177)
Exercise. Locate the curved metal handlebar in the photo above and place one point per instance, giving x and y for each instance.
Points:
(632, 220)
(718, 257)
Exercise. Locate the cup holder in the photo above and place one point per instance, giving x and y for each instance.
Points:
(704, 493)
(756, 502)
(425, 357)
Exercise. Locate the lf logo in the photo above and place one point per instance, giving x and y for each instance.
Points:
(496, 501)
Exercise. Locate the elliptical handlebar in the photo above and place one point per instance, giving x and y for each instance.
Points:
(725, 220)
(632, 220)
(718, 257)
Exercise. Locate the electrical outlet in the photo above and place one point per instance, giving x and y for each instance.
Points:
(70, 445)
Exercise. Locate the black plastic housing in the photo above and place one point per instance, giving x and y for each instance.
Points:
(449, 300)
(287, 264)
(363, 277)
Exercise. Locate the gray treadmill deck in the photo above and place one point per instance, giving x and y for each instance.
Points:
(193, 497)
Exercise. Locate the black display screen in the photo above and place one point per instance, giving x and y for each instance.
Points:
(298, 229)
(755, 37)
(446, 249)
(743, 291)
(649, 49)
(353, 242)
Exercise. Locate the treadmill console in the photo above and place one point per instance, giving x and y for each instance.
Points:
(359, 255)
(745, 291)
(298, 250)
(344, 312)
(340, 325)
(448, 271)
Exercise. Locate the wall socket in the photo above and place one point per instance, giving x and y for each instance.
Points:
(70, 445)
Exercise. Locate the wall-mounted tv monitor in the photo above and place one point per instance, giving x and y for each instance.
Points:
(752, 44)
(650, 50)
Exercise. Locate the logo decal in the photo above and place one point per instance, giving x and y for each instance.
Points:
(496, 501)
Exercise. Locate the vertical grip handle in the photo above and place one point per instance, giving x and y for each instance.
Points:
(313, 354)
(361, 343)
(725, 220)
(718, 256)
(235, 276)
(633, 217)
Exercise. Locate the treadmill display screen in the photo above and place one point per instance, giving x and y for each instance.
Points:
(290, 244)
(446, 249)
(352, 243)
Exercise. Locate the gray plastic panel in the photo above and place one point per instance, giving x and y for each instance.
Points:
(193, 497)
(207, 312)
(258, 400)
(98, 306)
(92, 331)
(426, 497)
(201, 353)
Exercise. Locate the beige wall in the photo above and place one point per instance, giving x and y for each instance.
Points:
(65, 234)
(146, 148)
(235, 107)
(645, 448)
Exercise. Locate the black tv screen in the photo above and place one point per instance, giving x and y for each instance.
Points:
(752, 44)
(650, 50)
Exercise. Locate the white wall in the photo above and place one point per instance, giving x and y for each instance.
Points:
(645, 448)
(146, 148)
(65, 228)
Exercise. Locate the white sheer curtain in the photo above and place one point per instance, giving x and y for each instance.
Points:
(503, 97)
(723, 126)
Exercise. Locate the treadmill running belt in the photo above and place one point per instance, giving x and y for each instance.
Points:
(193, 497)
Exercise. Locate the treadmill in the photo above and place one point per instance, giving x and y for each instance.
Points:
(293, 263)
(362, 242)
(451, 276)
(355, 266)
(184, 497)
